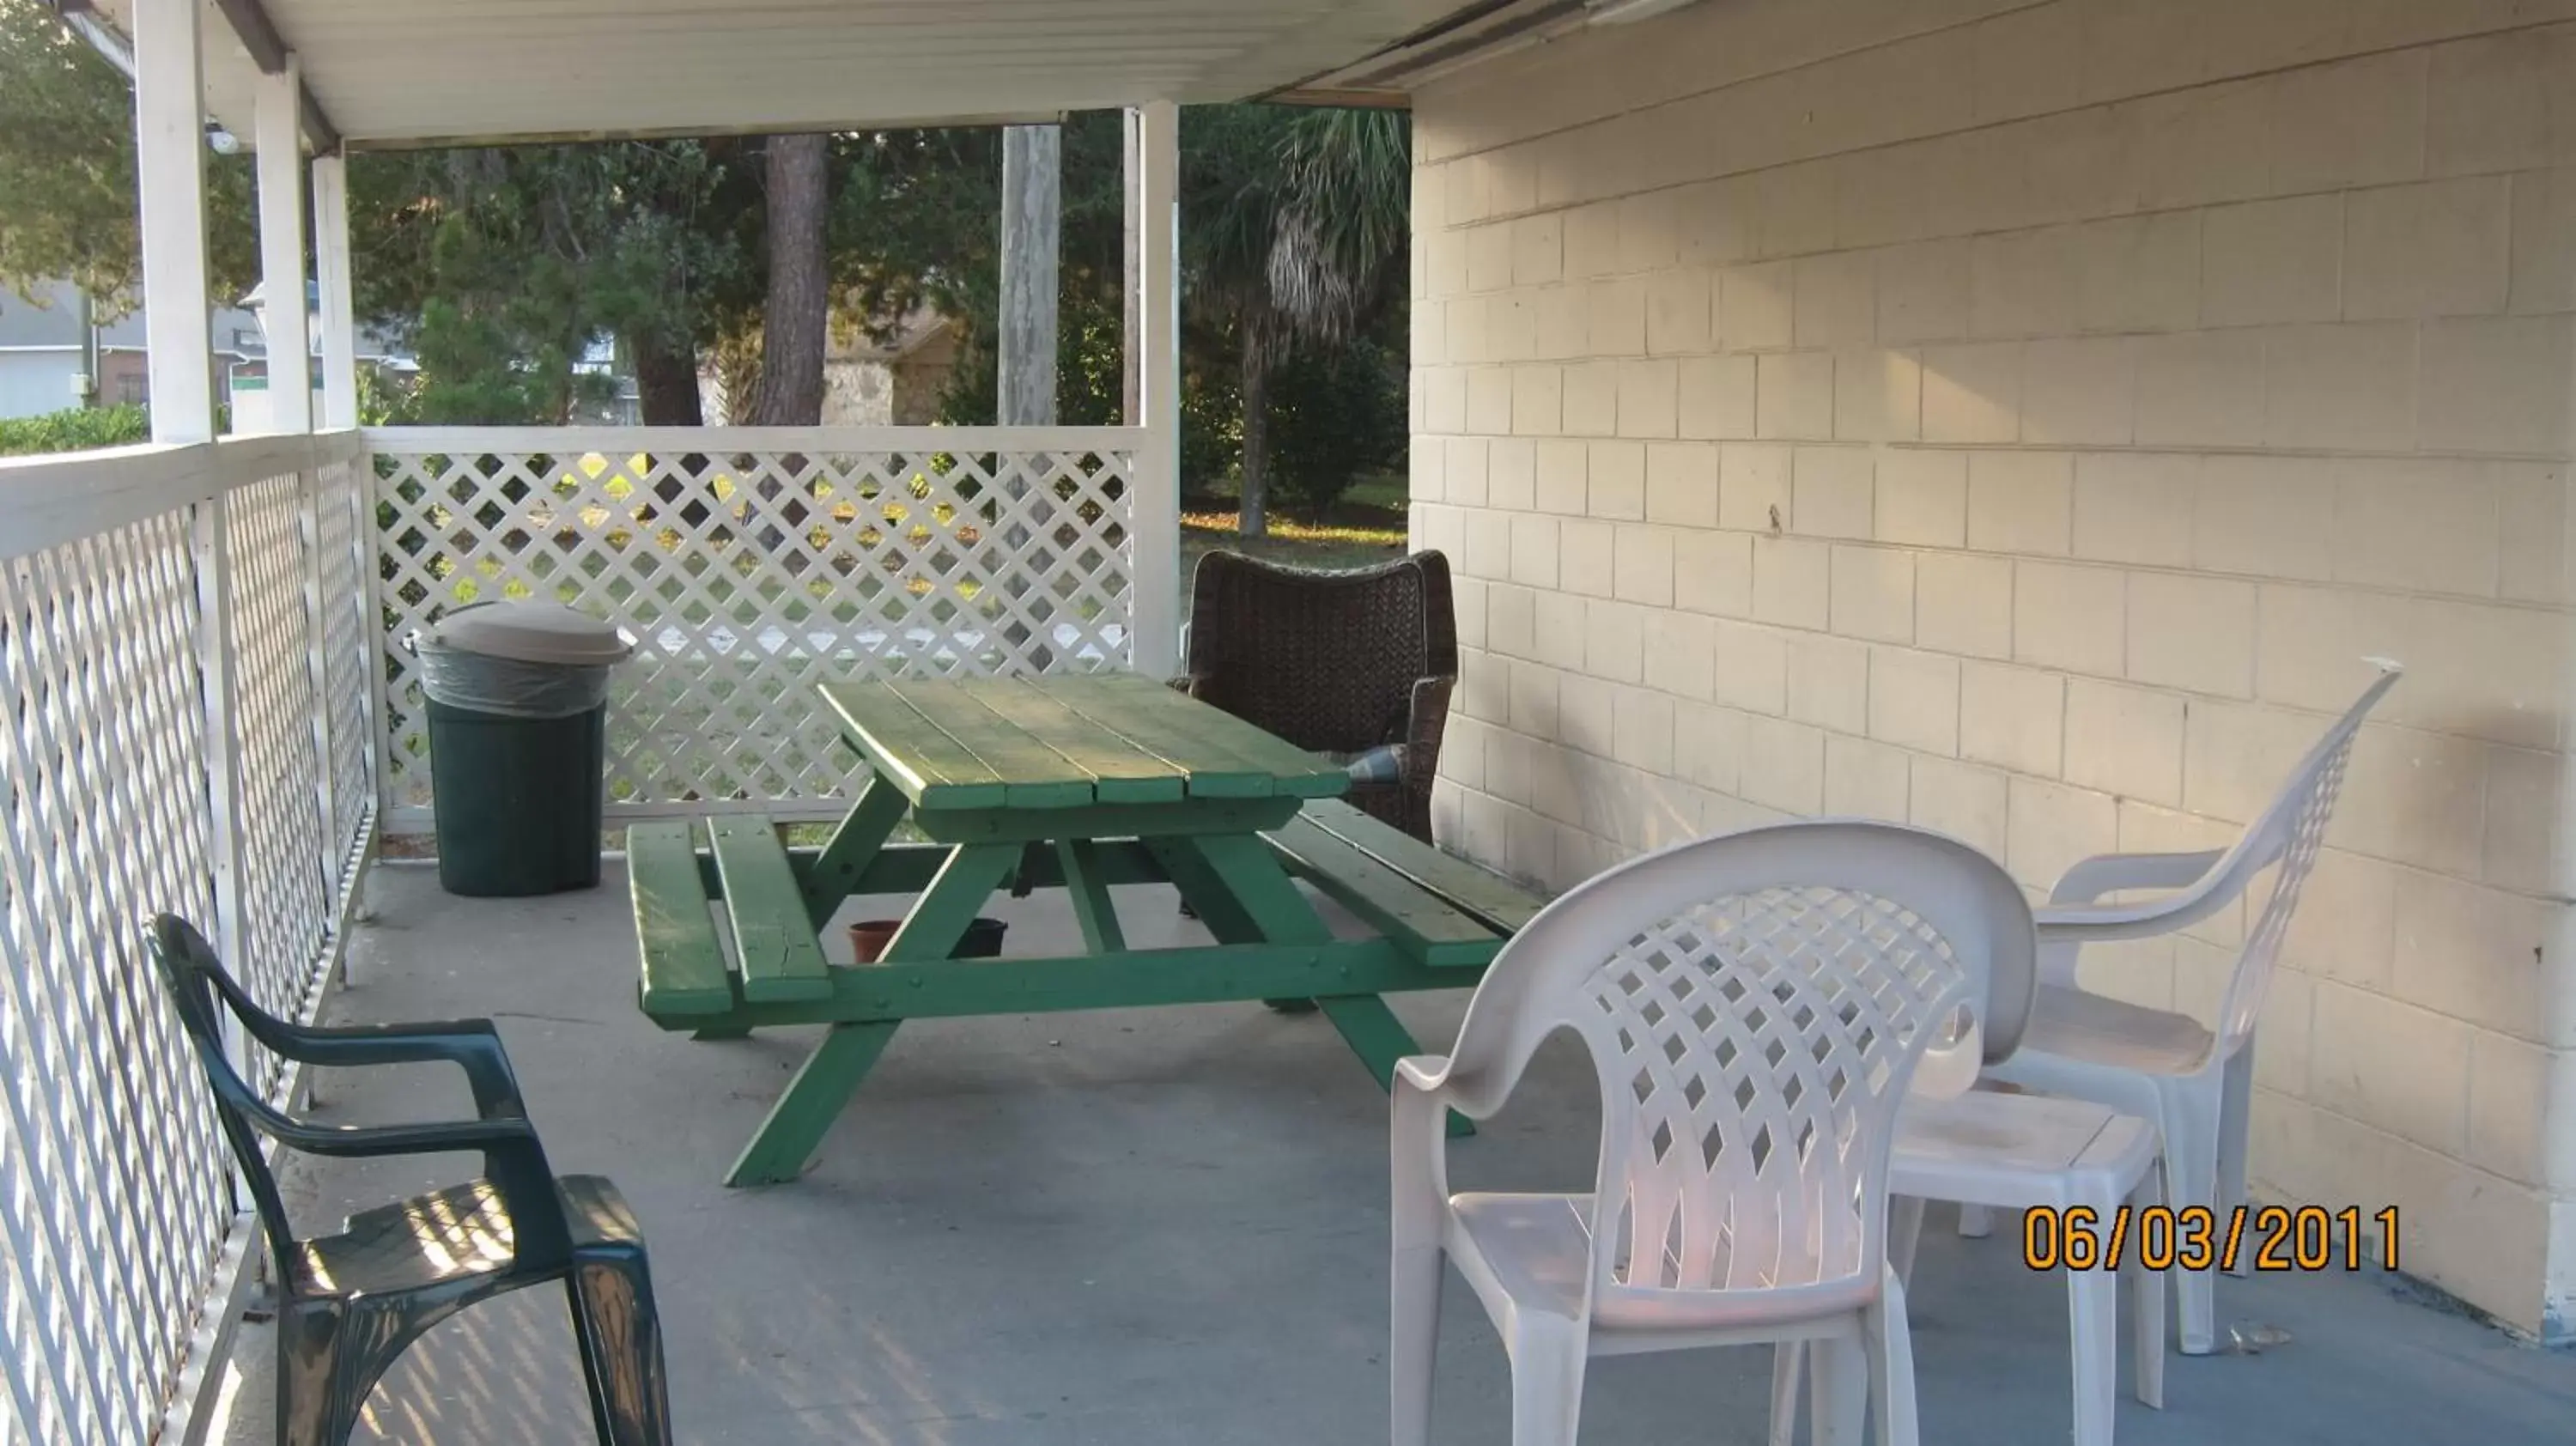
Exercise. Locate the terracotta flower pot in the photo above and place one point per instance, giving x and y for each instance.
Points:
(869, 937)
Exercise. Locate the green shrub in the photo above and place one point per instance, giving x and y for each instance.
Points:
(75, 429)
(1335, 415)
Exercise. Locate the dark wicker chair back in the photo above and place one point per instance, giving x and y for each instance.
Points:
(1332, 661)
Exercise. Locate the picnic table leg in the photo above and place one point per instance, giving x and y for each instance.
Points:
(1272, 910)
(824, 1084)
(814, 1099)
(1089, 891)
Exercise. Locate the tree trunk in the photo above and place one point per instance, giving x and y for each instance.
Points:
(795, 313)
(1254, 518)
(1024, 390)
(1032, 245)
(666, 384)
(666, 395)
(796, 310)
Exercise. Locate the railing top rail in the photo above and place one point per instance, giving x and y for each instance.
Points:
(753, 439)
(61, 497)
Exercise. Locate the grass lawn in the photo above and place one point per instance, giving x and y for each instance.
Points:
(1367, 525)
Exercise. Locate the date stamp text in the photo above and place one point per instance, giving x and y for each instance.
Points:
(2265, 1237)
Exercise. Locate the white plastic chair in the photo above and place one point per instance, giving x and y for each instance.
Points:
(1755, 1006)
(2195, 1085)
(2026, 1151)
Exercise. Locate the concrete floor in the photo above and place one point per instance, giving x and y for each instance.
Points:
(1142, 1227)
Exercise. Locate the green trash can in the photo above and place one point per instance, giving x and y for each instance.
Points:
(518, 711)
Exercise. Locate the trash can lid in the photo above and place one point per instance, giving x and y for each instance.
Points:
(533, 632)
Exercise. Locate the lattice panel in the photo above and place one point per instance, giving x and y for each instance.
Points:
(112, 1186)
(345, 600)
(1754, 1046)
(748, 577)
(285, 893)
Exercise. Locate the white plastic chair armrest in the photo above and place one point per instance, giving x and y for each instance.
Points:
(2111, 873)
(2074, 916)
(1418, 1146)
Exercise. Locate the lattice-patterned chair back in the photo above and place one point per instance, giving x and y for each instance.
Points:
(2289, 833)
(1756, 1006)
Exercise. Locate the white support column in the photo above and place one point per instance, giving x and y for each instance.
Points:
(170, 169)
(1155, 505)
(339, 317)
(281, 249)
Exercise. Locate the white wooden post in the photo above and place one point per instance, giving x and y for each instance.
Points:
(1155, 509)
(170, 171)
(1131, 311)
(281, 249)
(339, 317)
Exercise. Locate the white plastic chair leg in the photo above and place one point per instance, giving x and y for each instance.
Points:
(1414, 1345)
(1976, 1222)
(1890, 1344)
(1788, 1369)
(2093, 1312)
(1547, 1386)
(2235, 1106)
(2190, 1130)
(1904, 1231)
(2146, 1305)
(1838, 1390)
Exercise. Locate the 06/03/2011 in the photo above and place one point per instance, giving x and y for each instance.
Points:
(2279, 1237)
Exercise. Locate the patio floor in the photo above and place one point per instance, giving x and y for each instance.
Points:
(1140, 1227)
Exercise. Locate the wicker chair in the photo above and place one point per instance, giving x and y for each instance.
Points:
(1343, 663)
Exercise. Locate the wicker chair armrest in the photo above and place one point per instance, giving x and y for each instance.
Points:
(1428, 718)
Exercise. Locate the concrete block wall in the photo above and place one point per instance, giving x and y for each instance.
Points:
(2022, 419)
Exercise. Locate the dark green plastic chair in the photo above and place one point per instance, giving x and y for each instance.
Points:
(348, 1304)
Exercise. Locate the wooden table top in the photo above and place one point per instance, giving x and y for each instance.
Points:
(1067, 741)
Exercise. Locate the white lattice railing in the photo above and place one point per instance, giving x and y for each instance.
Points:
(184, 656)
(751, 563)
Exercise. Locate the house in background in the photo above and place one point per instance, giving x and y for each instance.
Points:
(245, 382)
(868, 382)
(43, 348)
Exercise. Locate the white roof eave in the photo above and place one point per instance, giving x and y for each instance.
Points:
(430, 72)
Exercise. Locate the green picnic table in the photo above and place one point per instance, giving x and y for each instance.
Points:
(1075, 783)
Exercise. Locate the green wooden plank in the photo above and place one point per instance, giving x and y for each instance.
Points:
(909, 868)
(814, 1099)
(1204, 974)
(1120, 771)
(1480, 893)
(828, 877)
(1085, 884)
(1147, 703)
(1292, 770)
(772, 934)
(1210, 769)
(683, 964)
(933, 769)
(1106, 820)
(1033, 775)
(1396, 906)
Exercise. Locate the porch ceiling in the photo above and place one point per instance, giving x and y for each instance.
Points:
(408, 72)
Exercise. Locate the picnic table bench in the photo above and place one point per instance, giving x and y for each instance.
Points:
(1077, 783)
